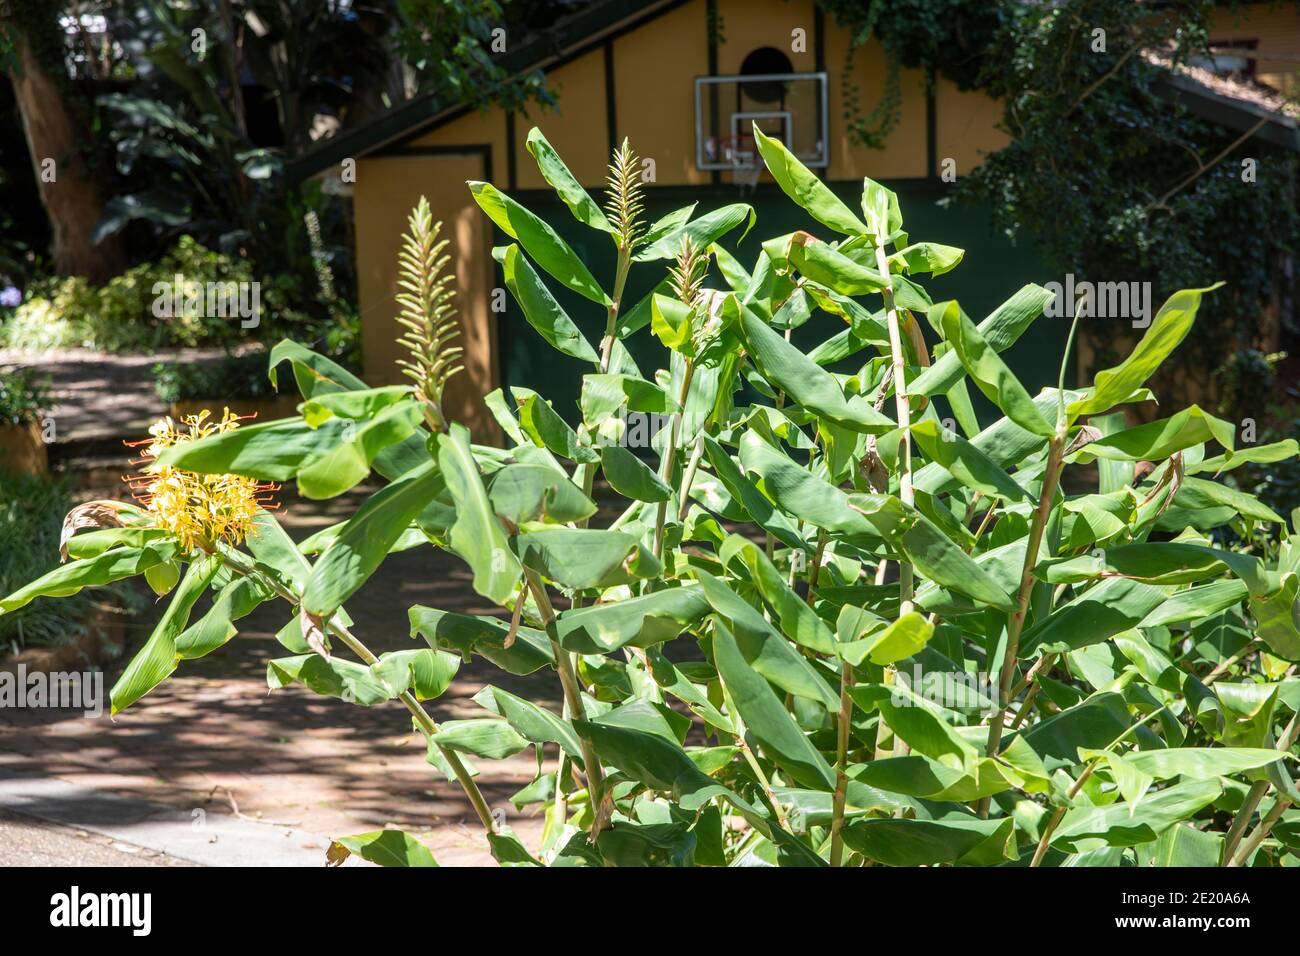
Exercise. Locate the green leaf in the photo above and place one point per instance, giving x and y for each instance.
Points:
(105, 568)
(541, 310)
(1113, 386)
(482, 737)
(928, 257)
(704, 232)
(471, 634)
(1120, 824)
(476, 535)
(535, 724)
(1160, 439)
(898, 641)
(989, 373)
(1000, 330)
(798, 621)
(426, 672)
(387, 848)
(583, 558)
(902, 842)
(555, 172)
(314, 373)
(356, 406)
(547, 429)
(1112, 607)
(366, 539)
(234, 601)
(766, 718)
(333, 677)
(637, 622)
(630, 476)
(155, 662)
(805, 188)
(1200, 763)
(539, 240)
(807, 382)
(657, 763)
(763, 647)
(526, 491)
(965, 462)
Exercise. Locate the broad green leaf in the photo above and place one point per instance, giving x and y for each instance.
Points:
(477, 535)
(1121, 825)
(1111, 607)
(704, 232)
(1197, 493)
(1170, 326)
(526, 491)
(637, 622)
(658, 764)
(470, 634)
(555, 172)
(1000, 330)
(1260, 455)
(763, 647)
(903, 842)
(766, 718)
(630, 476)
(1160, 439)
(534, 723)
(989, 373)
(155, 662)
(356, 405)
(105, 568)
(314, 374)
(756, 505)
(1200, 763)
(942, 561)
(234, 601)
(899, 640)
(806, 382)
(482, 737)
(539, 240)
(425, 672)
(540, 308)
(366, 539)
(386, 847)
(547, 429)
(966, 462)
(805, 188)
(582, 558)
(928, 257)
(335, 677)
(798, 621)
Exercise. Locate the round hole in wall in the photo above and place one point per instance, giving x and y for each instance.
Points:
(766, 60)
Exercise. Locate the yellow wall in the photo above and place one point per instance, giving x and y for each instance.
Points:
(1277, 30)
(965, 126)
(577, 128)
(656, 115)
(385, 190)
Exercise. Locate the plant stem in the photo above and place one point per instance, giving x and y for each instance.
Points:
(1256, 794)
(573, 697)
(684, 502)
(903, 409)
(1055, 456)
(815, 571)
(1045, 841)
(426, 723)
(1260, 832)
(841, 764)
(670, 455)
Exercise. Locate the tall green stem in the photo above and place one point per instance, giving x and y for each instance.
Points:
(670, 455)
(573, 696)
(904, 411)
(841, 764)
(1051, 477)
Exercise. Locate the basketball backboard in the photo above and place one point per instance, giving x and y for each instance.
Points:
(788, 106)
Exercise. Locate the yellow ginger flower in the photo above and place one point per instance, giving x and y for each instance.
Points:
(199, 510)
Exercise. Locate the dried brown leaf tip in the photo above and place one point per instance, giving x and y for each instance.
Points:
(101, 513)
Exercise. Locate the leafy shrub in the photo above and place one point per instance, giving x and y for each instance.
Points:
(231, 377)
(24, 396)
(31, 512)
(817, 632)
(119, 316)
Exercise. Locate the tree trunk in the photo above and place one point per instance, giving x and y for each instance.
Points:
(69, 193)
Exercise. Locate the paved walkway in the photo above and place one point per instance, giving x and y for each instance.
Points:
(289, 760)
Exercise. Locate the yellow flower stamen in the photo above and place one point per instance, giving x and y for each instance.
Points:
(199, 510)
